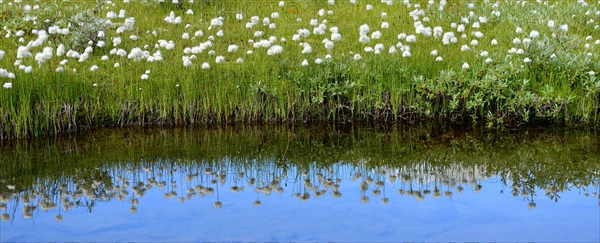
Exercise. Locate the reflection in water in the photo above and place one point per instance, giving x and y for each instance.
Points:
(307, 164)
(185, 180)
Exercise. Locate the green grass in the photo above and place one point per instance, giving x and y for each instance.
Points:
(384, 87)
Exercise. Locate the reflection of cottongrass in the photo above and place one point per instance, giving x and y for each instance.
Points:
(385, 201)
(419, 197)
(317, 182)
(305, 197)
(218, 204)
(364, 186)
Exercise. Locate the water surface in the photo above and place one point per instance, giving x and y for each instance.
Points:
(303, 184)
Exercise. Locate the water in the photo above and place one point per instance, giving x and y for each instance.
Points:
(303, 184)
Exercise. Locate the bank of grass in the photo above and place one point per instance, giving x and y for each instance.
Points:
(278, 88)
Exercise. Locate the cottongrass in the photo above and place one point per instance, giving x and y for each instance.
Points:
(458, 38)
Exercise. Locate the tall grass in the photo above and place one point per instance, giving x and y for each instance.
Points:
(278, 88)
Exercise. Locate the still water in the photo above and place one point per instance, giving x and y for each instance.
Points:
(303, 184)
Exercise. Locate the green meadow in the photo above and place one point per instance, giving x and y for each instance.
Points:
(69, 66)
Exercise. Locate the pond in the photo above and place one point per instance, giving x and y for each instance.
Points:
(303, 183)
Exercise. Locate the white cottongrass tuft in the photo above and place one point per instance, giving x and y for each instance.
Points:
(364, 39)
(172, 19)
(364, 29)
(187, 61)
(534, 34)
(328, 44)
(376, 35)
(392, 50)
(336, 37)
(519, 30)
(307, 49)
(465, 66)
(232, 48)
(274, 50)
(205, 66)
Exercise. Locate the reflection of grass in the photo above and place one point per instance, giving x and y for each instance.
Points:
(525, 155)
(423, 162)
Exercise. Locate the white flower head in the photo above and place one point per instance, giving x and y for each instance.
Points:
(534, 34)
(564, 28)
(205, 66)
(465, 66)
